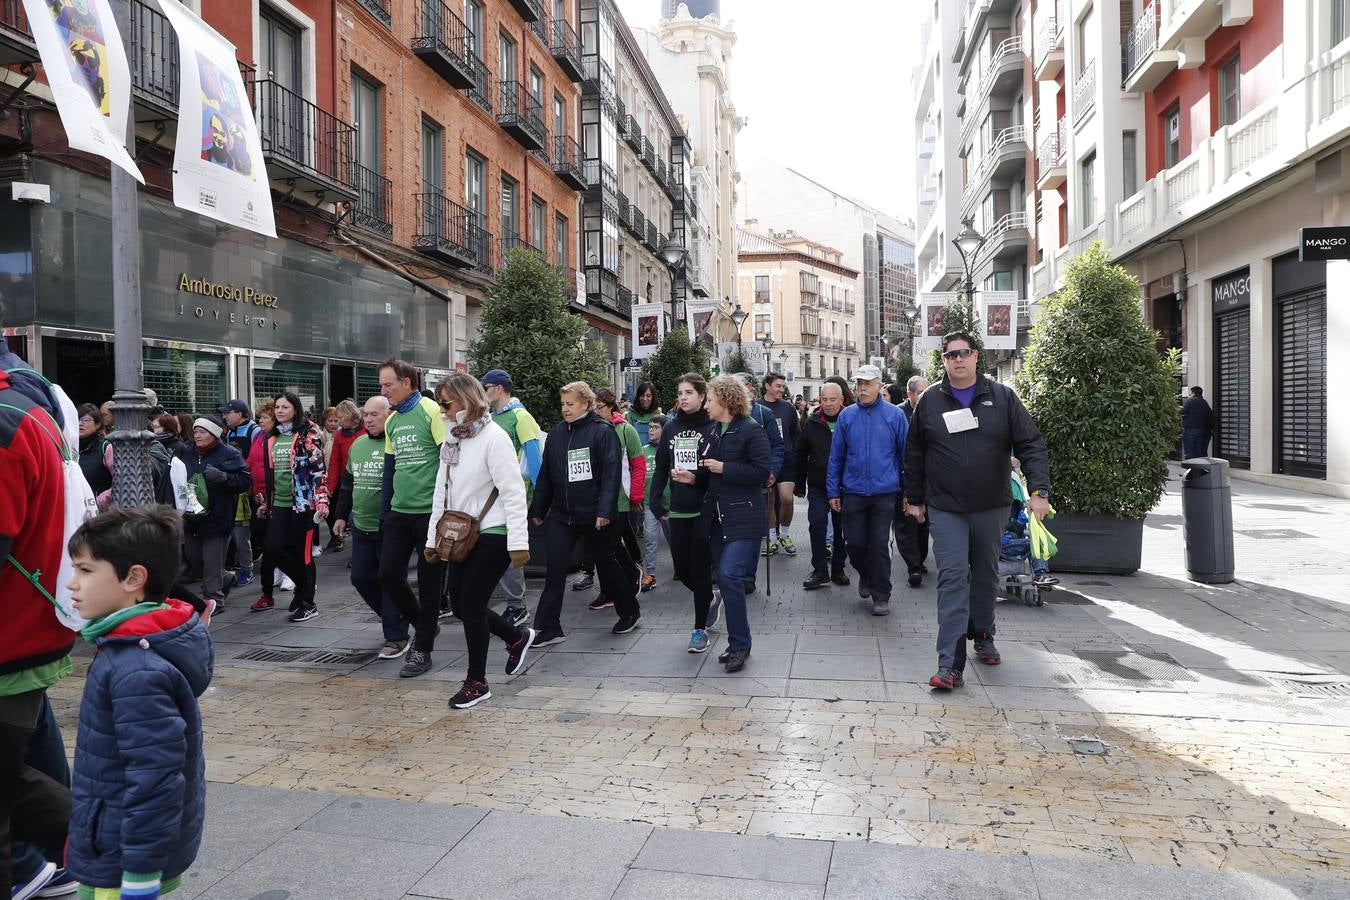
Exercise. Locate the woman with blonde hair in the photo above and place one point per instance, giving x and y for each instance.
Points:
(479, 475)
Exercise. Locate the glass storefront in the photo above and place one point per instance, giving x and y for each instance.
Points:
(187, 379)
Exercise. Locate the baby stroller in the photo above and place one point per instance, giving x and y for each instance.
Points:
(1014, 557)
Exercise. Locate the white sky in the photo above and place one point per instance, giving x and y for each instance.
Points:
(828, 95)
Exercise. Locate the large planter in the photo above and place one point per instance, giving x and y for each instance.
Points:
(1097, 543)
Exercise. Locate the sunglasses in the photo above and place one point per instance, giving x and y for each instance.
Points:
(963, 353)
(446, 404)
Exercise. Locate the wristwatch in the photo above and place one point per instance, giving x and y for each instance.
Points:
(1040, 493)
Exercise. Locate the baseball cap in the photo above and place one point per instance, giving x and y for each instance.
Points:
(500, 377)
(867, 373)
(238, 406)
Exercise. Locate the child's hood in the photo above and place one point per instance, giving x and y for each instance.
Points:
(177, 635)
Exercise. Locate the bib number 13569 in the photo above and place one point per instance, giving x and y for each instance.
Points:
(579, 465)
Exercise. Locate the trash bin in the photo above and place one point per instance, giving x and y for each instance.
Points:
(1207, 511)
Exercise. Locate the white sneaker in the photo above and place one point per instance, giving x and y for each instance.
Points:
(316, 552)
(286, 584)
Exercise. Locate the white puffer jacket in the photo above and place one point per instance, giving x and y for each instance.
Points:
(486, 460)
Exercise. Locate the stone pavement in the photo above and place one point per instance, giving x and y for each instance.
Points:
(1220, 710)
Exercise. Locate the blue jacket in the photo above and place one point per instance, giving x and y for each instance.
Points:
(764, 417)
(138, 792)
(736, 497)
(868, 452)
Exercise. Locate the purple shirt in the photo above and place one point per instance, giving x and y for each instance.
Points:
(965, 395)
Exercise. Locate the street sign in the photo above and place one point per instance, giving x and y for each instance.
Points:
(630, 364)
(1321, 244)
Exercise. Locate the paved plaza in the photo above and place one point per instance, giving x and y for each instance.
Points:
(1145, 736)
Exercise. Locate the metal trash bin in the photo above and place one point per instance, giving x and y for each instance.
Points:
(1207, 513)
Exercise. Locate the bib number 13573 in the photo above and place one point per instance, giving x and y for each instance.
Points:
(579, 465)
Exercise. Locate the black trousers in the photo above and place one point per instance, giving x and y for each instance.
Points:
(34, 807)
(911, 538)
(867, 526)
(603, 545)
(404, 535)
(630, 557)
(471, 584)
(290, 548)
(691, 554)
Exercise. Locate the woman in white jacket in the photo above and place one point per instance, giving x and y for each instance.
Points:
(476, 458)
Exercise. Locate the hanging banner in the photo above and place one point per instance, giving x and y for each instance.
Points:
(698, 316)
(998, 320)
(218, 168)
(649, 327)
(86, 67)
(932, 311)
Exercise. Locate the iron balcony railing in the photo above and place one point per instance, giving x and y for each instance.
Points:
(653, 239)
(374, 210)
(649, 155)
(1139, 43)
(621, 117)
(514, 240)
(380, 10)
(442, 41)
(622, 200)
(1085, 91)
(481, 90)
(530, 10)
(303, 136)
(637, 222)
(566, 48)
(447, 230)
(521, 114)
(153, 54)
(624, 301)
(567, 161)
(633, 135)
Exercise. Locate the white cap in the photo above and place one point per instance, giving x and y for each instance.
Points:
(867, 373)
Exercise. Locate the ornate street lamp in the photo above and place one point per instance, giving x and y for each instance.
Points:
(738, 317)
(968, 244)
(674, 255)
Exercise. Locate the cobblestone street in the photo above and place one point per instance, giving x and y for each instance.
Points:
(1220, 713)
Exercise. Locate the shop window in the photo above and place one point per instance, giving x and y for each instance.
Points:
(1230, 94)
(272, 376)
(186, 380)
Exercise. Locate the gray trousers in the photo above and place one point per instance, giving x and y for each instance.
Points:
(207, 556)
(513, 585)
(243, 547)
(965, 546)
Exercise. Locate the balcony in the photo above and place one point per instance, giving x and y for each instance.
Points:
(306, 148)
(1085, 91)
(16, 40)
(567, 162)
(653, 237)
(449, 232)
(442, 42)
(633, 135)
(1050, 166)
(514, 241)
(649, 155)
(810, 324)
(480, 92)
(379, 9)
(621, 118)
(623, 207)
(1184, 25)
(1050, 47)
(623, 302)
(530, 10)
(1008, 237)
(637, 222)
(152, 52)
(566, 49)
(374, 207)
(850, 308)
(521, 115)
(851, 346)
(570, 283)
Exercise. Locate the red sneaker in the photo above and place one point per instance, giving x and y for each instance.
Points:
(947, 679)
(262, 603)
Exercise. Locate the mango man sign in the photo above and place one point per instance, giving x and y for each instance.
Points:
(1322, 244)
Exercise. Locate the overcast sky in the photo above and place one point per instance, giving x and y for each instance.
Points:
(828, 95)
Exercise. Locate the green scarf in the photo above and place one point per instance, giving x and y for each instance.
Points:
(99, 627)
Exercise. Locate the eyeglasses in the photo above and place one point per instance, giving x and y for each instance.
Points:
(446, 404)
(963, 353)
(85, 420)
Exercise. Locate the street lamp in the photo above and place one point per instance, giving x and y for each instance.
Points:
(768, 346)
(738, 318)
(968, 244)
(674, 255)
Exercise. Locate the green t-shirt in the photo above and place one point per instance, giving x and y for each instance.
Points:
(414, 438)
(365, 462)
(36, 678)
(649, 451)
(518, 423)
(632, 445)
(283, 480)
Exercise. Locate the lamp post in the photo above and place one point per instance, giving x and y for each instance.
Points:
(768, 347)
(968, 244)
(674, 255)
(738, 318)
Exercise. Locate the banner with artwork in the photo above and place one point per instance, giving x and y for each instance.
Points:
(998, 320)
(932, 312)
(649, 327)
(218, 168)
(698, 316)
(86, 67)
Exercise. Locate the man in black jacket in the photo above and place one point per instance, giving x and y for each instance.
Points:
(1197, 422)
(962, 435)
(911, 535)
(578, 492)
(812, 460)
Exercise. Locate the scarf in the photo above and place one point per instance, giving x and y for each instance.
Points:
(408, 402)
(462, 431)
(286, 427)
(99, 627)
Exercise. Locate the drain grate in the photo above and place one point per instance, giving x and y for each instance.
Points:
(1125, 664)
(1338, 690)
(1274, 534)
(308, 657)
(265, 654)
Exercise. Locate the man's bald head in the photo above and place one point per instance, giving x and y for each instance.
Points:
(831, 398)
(374, 413)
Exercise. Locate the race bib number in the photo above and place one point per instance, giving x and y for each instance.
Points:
(686, 453)
(781, 433)
(579, 465)
(959, 420)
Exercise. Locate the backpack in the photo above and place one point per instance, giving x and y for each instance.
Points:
(78, 507)
(160, 464)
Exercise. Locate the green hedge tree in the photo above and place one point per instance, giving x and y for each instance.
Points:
(956, 316)
(528, 329)
(736, 363)
(1100, 392)
(673, 358)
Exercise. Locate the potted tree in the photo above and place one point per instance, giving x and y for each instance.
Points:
(1105, 401)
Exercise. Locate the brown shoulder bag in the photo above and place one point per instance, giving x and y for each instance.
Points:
(457, 532)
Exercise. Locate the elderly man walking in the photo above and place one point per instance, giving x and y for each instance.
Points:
(963, 432)
(864, 477)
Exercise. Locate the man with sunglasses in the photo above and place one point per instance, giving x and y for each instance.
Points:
(962, 433)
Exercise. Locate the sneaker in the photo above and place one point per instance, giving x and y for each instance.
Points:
(986, 652)
(601, 602)
(648, 583)
(788, 547)
(841, 578)
(316, 552)
(881, 607)
(585, 582)
(1044, 579)
(335, 546)
(262, 603)
(769, 550)
(736, 660)
(698, 641)
(286, 584)
(516, 615)
(515, 653)
(393, 649)
(548, 639)
(864, 587)
(724, 655)
(715, 609)
(63, 884)
(445, 613)
(626, 624)
(243, 579)
(43, 878)
(471, 693)
(817, 580)
(304, 614)
(946, 680)
(419, 663)
(209, 611)
(915, 579)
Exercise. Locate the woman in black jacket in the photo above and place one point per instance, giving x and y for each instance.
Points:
(684, 441)
(737, 464)
(578, 493)
(95, 457)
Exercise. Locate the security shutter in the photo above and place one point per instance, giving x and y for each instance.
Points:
(1233, 405)
(1301, 385)
(271, 377)
(185, 380)
(367, 383)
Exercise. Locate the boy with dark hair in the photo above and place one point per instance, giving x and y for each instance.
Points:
(139, 770)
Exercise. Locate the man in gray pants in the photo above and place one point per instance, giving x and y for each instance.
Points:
(957, 478)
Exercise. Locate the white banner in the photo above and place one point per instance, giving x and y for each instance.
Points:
(998, 321)
(932, 308)
(649, 327)
(86, 67)
(218, 168)
(698, 316)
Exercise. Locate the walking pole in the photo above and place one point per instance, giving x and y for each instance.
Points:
(768, 568)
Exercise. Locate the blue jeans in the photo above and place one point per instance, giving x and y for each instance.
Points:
(819, 519)
(1194, 442)
(366, 580)
(867, 525)
(736, 564)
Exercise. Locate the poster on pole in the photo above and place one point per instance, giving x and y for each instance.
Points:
(218, 168)
(932, 312)
(649, 327)
(998, 322)
(698, 316)
(86, 66)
